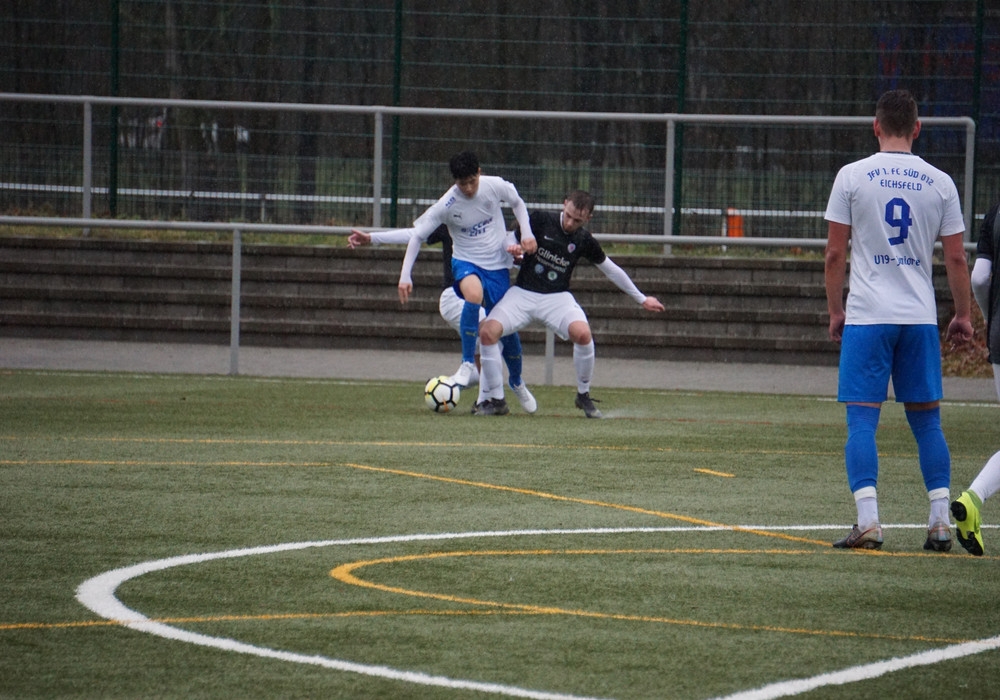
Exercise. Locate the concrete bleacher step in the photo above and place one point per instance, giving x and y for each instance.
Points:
(718, 309)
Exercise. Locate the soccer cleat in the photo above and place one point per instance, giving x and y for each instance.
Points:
(858, 539)
(463, 376)
(965, 510)
(586, 404)
(938, 537)
(491, 407)
(528, 402)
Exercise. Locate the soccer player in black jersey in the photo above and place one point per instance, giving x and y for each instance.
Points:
(541, 293)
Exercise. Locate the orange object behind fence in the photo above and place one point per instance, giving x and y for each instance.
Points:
(734, 223)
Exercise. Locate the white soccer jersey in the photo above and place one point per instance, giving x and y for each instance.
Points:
(477, 227)
(897, 206)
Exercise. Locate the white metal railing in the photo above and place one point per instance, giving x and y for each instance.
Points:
(378, 113)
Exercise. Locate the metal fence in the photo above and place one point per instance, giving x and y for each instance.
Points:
(781, 57)
(780, 201)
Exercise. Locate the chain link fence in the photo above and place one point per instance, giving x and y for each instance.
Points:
(785, 57)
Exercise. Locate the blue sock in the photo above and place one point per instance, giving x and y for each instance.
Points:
(512, 356)
(932, 449)
(469, 326)
(861, 452)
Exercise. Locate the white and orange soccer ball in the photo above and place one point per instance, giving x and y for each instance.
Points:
(441, 394)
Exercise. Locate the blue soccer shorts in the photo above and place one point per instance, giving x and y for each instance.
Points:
(495, 282)
(871, 355)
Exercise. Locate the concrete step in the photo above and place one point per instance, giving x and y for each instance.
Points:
(718, 309)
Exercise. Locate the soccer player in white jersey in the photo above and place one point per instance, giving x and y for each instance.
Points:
(892, 207)
(450, 305)
(986, 288)
(471, 209)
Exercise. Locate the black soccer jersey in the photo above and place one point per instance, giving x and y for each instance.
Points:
(549, 269)
(441, 235)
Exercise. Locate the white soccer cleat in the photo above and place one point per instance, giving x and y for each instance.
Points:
(464, 375)
(528, 402)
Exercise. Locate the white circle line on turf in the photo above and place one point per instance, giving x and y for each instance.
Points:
(98, 595)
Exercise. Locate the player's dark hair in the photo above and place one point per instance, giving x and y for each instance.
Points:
(463, 165)
(896, 112)
(584, 201)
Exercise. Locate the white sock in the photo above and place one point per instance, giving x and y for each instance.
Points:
(939, 507)
(583, 361)
(867, 502)
(491, 373)
(987, 482)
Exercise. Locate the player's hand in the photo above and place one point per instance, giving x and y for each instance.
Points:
(517, 252)
(959, 332)
(837, 326)
(529, 245)
(652, 304)
(405, 289)
(358, 238)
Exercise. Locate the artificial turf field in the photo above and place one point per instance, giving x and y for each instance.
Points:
(190, 536)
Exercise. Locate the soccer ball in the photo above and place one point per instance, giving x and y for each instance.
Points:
(441, 394)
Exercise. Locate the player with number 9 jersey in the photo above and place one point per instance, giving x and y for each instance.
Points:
(897, 205)
(889, 210)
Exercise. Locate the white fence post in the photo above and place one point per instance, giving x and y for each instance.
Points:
(234, 312)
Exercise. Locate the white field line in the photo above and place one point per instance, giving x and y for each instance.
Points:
(98, 595)
(784, 689)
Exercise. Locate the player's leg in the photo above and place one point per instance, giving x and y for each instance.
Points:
(490, 382)
(510, 314)
(987, 482)
(511, 352)
(861, 461)
(470, 288)
(584, 360)
(563, 315)
(935, 465)
(450, 306)
(496, 285)
(490, 401)
(865, 365)
(916, 378)
(966, 508)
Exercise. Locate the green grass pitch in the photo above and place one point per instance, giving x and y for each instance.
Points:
(355, 544)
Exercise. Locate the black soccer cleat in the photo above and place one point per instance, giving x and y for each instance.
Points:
(491, 407)
(586, 404)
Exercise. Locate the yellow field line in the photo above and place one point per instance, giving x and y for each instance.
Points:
(345, 574)
(712, 472)
(588, 502)
(265, 617)
(419, 443)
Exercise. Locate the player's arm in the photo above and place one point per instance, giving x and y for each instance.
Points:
(513, 246)
(621, 279)
(360, 238)
(421, 231)
(982, 271)
(834, 273)
(528, 243)
(520, 209)
(956, 264)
